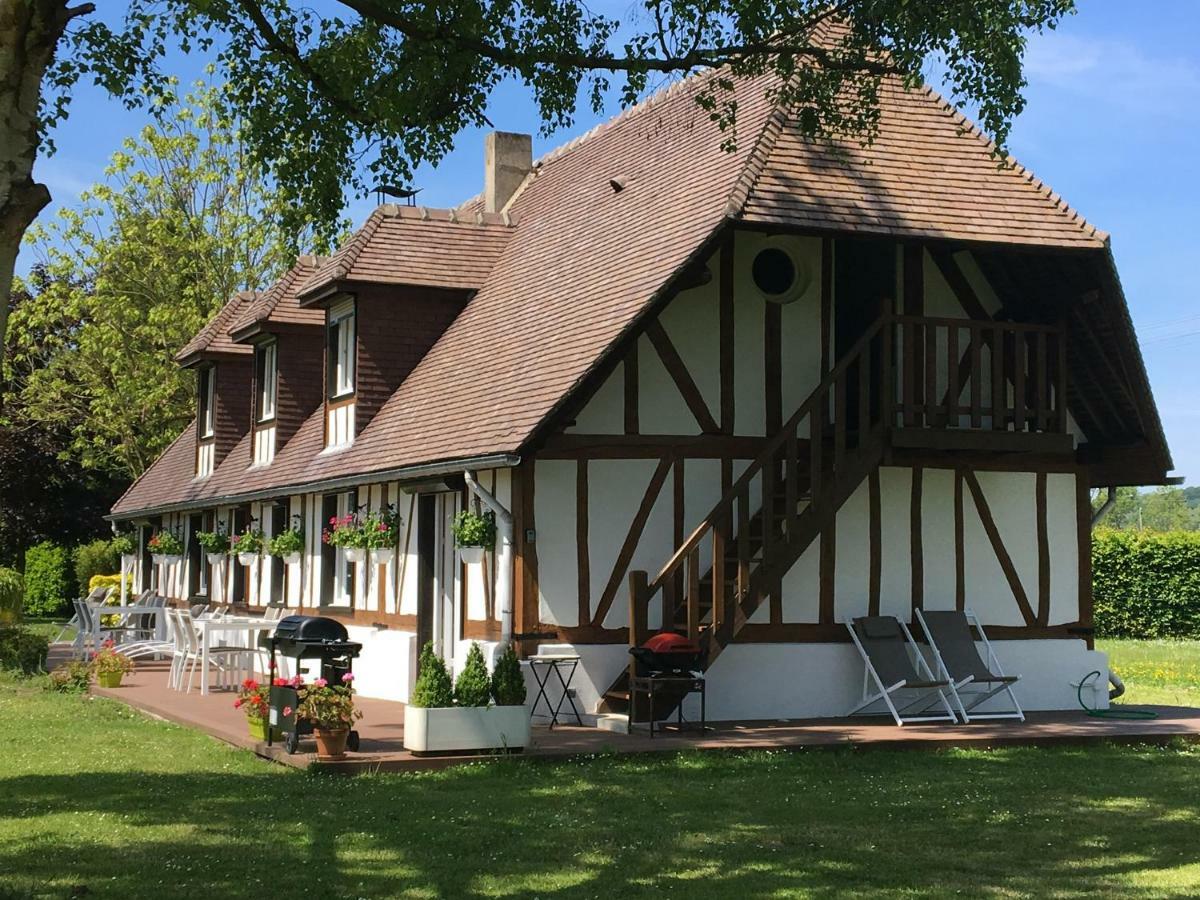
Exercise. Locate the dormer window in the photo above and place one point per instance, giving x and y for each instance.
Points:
(206, 411)
(266, 377)
(341, 350)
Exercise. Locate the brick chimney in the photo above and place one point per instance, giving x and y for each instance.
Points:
(507, 159)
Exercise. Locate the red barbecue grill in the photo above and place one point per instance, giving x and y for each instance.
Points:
(668, 667)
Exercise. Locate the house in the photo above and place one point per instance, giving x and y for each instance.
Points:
(745, 394)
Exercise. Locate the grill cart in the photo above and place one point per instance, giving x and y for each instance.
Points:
(301, 638)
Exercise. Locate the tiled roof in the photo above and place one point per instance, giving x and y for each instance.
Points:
(929, 173)
(166, 481)
(279, 304)
(559, 288)
(418, 246)
(214, 337)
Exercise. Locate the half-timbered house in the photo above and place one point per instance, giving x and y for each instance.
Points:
(745, 395)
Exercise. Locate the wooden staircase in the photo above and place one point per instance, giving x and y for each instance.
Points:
(737, 556)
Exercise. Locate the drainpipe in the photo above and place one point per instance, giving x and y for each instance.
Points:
(1109, 500)
(504, 557)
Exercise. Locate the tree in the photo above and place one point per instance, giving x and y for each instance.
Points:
(126, 280)
(1164, 509)
(370, 90)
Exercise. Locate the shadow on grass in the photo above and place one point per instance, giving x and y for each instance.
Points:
(1024, 822)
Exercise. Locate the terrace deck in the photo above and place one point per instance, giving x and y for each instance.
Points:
(382, 731)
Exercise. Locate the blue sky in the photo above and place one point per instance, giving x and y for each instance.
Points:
(1110, 124)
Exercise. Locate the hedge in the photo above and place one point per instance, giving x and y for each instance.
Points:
(94, 558)
(1146, 584)
(48, 583)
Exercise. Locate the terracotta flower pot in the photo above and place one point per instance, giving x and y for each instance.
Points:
(109, 679)
(331, 742)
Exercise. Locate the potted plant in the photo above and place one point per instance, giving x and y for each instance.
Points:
(346, 532)
(110, 665)
(331, 710)
(247, 545)
(215, 544)
(124, 546)
(288, 545)
(379, 531)
(165, 548)
(441, 719)
(474, 534)
(253, 700)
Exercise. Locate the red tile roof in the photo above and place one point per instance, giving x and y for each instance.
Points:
(214, 337)
(279, 302)
(418, 246)
(930, 173)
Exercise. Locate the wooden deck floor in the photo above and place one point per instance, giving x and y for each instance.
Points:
(382, 731)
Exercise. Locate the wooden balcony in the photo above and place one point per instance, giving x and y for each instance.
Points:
(963, 384)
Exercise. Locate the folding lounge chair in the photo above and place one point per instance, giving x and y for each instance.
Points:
(957, 658)
(97, 595)
(884, 642)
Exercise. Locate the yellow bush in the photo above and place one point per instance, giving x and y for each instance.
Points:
(112, 581)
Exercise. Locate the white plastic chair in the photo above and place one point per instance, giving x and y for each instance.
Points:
(190, 653)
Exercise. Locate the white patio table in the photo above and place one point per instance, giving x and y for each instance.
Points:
(160, 620)
(227, 625)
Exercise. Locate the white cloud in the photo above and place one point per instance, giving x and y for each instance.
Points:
(1114, 72)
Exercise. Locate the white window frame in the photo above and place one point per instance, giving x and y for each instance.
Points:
(343, 569)
(343, 360)
(207, 414)
(268, 387)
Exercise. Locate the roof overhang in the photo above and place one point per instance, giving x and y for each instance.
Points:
(422, 473)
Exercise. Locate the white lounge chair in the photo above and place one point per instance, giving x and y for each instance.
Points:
(956, 658)
(891, 673)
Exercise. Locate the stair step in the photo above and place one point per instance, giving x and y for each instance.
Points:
(617, 695)
(615, 722)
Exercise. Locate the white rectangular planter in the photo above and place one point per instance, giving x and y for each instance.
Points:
(448, 728)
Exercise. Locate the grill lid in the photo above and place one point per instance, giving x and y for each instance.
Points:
(311, 629)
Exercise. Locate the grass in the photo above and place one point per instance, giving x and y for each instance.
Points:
(96, 798)
(1156, 671)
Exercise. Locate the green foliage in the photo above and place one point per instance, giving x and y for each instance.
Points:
(123, 544)
(287, 542)
(72, 677)
(249, 541)
(47, 580)
(178, 227)
(12, 596)
(23, 651)
(1146, 584)
(1163, 509)
(474, 530)
(433, 688)
(213, 541)
(508, 682)
(473, 687)
(405, 79)
(94, 558)
(165, 542)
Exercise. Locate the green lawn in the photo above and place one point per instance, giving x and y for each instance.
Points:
(1166, 672)
(95, 795)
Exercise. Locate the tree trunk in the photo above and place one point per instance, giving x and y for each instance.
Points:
(30, 31)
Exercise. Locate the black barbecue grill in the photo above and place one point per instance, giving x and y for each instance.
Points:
(300, 638)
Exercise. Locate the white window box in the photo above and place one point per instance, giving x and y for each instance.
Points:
(454, 728)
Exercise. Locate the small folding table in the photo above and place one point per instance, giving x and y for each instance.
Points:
(556, 663)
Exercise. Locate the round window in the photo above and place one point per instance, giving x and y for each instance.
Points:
(777, 275)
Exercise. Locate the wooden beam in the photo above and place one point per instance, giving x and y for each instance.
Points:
(876, 540)
(826, 303)
(1043, 545)
(616, 577)
(960, 573)
(679, 373)
(916, 541)
(525, 572)
(630, 370)
(1083, 519)
(773, 366)
(836, 633)
(582, 556)
(726, 332)
(828, 568)
(963, 292)
(1006, 563)
(653, 446)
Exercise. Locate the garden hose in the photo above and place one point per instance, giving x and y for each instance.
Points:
(1112, 712)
